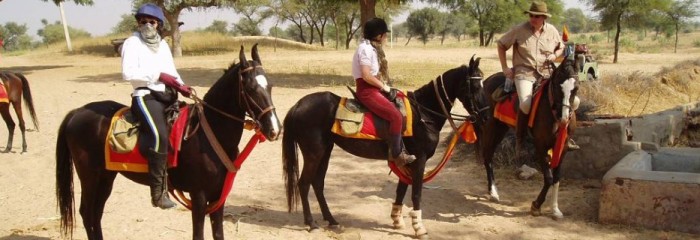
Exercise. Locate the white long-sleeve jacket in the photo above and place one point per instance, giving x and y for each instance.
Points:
(142, 67)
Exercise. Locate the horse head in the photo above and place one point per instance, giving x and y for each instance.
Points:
(255, 94)
(468, 92)
(564, 87)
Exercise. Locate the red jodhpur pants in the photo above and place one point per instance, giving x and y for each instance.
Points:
(373, 99)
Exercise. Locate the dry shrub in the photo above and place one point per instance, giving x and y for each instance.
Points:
(639, 93)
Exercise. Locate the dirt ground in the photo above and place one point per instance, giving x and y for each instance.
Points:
(359, 191)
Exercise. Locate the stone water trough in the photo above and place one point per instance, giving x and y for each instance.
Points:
(658, 190)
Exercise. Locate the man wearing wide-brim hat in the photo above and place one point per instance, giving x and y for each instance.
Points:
(534, 43)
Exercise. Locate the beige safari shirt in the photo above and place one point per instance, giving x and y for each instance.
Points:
(530, 51)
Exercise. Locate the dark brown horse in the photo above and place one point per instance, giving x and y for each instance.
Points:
(243, 89)
(554, 109)
(308, 127)
(17, 87)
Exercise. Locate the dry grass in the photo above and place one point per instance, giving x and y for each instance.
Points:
(648, 76)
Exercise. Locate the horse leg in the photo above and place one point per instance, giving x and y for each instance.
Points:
(418, 167)
(556, 213)
(199, 209)
(18, 110)
(313, 156)
(103, 193)
(96, 188)
(547, 172)
(217, 223)
(5, 112)
(318, 185)
(489, 142)
(397, 206)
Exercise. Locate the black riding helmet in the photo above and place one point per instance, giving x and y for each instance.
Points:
(374, 27)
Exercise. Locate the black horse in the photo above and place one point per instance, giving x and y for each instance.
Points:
(243, 89)
(308, 127)
(553, 114)
(17, 87)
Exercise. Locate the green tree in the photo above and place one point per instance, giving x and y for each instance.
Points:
(125, 26)
(15, 36)
(218, 26)
(424, 23)
(172, 10)
(680, 12)
(53, 33)
(277, 32)
(575, 20)
(254, 13)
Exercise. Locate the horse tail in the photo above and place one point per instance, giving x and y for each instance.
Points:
(27, 94)
(64, 179)
(290, 160)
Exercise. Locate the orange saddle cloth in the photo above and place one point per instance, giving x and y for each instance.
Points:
(366, 121)
(133, 161)
(3, 94)
(506, 110)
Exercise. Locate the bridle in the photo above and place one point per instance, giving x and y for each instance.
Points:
(245, 100)
(564, 104)
(451, 117)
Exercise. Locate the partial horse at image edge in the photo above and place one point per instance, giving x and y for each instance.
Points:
(16, 87)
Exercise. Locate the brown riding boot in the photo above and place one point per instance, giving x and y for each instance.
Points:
(397, 153)
(157, 169)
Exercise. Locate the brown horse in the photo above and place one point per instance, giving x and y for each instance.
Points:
(17, 87)
(243, 89)
(554, 109)
(308, 128)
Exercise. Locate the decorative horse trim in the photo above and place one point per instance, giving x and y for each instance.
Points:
(465, 132)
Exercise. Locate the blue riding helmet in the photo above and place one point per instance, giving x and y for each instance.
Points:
(151, 10)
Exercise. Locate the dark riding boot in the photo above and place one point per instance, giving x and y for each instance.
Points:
(520, 134)
(397, 153)
(157, 169)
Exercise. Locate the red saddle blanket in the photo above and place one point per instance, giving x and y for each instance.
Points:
(135, 162)
(368, 130)
(506, 110)
(3, 94)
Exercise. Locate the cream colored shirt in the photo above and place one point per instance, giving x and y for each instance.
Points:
(530, 51)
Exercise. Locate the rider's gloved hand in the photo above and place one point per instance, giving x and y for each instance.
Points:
(171, 81)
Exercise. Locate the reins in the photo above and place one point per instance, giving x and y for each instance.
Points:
(232, 166)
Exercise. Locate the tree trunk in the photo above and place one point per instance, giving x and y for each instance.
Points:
(675, 46)
(367, 10)
(617, 37)
(409, 40)
(481, 37)
(174, 33)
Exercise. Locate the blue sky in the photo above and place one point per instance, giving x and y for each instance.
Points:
(99, 18)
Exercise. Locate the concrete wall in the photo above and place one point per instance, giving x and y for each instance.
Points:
(605, 142)
(633, 194)
(602, 146)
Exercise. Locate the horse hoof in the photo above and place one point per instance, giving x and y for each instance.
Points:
(535, 211)
(335, 227)
(557, 216)
(494, 198)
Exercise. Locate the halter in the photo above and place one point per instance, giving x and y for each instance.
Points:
(247, 124)
(446, 114)
(244, 97)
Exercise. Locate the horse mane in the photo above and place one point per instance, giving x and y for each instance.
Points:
(427, 88)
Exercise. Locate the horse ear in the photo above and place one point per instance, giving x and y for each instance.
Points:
(471, 61)
(241, 56)
(255, 55)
